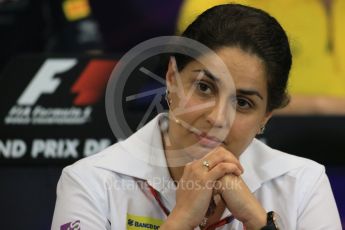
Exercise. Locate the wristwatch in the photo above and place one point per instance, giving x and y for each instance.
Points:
(271, 221)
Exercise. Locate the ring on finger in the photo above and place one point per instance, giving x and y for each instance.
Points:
(206, 164)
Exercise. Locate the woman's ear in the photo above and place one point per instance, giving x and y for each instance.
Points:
(170, 74)
(267, 117)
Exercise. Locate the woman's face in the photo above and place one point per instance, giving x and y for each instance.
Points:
(214, 109)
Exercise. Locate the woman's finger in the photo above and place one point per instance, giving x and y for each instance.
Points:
(219, 155)
(221, 169)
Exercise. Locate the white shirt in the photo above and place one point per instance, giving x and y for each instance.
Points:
(108, 190)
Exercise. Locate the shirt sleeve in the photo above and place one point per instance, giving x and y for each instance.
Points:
(319, 210)
(78, 206)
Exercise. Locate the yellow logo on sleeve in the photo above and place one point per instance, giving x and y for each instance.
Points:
(142, 222)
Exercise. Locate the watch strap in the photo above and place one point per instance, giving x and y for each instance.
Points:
(270, 224)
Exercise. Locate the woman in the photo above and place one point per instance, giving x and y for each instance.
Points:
(215, 173)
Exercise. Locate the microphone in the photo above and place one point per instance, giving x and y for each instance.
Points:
(178, 121)
(184, 124)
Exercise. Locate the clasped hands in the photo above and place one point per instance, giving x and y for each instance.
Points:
(218, 172)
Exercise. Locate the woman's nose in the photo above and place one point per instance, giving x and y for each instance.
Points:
(220, 115)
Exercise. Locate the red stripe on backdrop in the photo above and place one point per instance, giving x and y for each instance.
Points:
(90, 86)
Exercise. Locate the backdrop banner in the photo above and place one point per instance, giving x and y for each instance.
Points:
(53, 112)
(52, 109)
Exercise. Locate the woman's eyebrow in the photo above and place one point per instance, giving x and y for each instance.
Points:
(207, 74)
(249, 92)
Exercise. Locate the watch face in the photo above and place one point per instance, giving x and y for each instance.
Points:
(277, 221)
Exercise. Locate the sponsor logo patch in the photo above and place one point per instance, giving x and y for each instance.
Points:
(71, 226)
(142, 222)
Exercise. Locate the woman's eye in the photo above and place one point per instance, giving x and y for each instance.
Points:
(203, 87)
(243, 103)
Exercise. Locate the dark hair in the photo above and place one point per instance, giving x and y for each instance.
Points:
(252, 30)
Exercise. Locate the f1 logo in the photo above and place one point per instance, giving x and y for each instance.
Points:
(89, 86)
(44, 81)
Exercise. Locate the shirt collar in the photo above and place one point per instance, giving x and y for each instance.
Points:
(142, 156)
(262, 163)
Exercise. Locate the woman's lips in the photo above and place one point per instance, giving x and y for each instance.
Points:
(207, 141)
